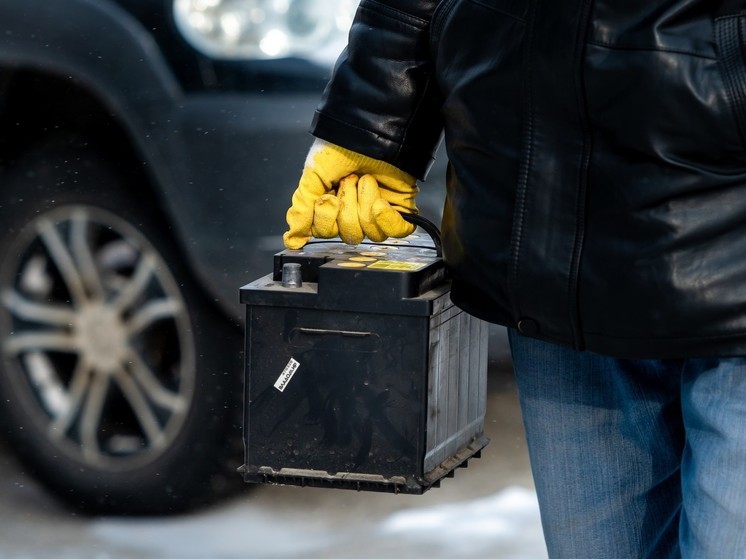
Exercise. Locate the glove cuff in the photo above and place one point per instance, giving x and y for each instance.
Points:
(362, 164)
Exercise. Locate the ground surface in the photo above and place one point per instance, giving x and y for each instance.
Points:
(487, 510)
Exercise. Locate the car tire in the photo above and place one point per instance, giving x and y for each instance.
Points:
(120, 381)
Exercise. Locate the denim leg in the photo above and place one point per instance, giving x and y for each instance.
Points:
(605, 439)
(713, 521)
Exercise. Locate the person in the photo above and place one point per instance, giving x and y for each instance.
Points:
(596, 206)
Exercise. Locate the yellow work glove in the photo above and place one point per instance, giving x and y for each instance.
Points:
(376, 209)
(322, 204)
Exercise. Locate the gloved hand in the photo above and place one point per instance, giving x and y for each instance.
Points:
(323, 204)
(376, 209)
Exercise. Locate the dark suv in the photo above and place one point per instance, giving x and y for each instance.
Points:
(148, 149)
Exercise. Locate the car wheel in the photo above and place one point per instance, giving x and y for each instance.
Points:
(120, 383)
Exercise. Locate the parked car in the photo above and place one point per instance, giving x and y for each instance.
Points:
(148, 149)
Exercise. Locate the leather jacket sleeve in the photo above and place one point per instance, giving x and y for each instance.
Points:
(382, 100)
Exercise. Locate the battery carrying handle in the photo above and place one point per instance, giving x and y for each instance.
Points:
(429, 227)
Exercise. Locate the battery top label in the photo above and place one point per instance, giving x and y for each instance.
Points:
(400, 265)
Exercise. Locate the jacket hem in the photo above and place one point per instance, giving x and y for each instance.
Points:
(670, 348)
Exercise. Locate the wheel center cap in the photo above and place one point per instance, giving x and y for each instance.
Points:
(102, 336)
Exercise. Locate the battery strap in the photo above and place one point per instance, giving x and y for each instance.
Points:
(429, 227)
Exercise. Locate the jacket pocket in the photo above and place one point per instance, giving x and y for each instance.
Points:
(729, 39)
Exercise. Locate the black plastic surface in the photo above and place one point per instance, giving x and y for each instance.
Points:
(364, 377)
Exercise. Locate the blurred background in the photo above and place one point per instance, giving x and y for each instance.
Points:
(148, 151)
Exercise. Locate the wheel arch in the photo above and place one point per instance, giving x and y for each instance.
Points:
(55, 51)
(89, 68)
(37, 106)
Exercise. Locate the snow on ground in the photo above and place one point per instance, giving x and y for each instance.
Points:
(505, 525)
(508, 519)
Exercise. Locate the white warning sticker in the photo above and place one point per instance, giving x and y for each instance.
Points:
(287, 373)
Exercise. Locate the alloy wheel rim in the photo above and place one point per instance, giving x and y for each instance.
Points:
(96, 337)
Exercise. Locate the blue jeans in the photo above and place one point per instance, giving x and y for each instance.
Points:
(635, 458)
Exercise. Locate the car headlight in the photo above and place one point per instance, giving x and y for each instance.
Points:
(265, 29)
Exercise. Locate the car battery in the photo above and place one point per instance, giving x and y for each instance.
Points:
(360, 371)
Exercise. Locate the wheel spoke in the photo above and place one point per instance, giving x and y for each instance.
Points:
(79, 385)
(54, 315)
(46, 381)
(41, 341)
(83, 256)
(91, 418)
(152, 387)
(33, 277)
(153, 312)
(136, 286)
(139, 404)
(62, 258)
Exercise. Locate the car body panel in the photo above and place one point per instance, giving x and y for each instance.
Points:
(218, 161)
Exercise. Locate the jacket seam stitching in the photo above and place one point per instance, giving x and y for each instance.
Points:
(498, 10)
(443, 10)
(616, 46)
(392, 13)
(585, 158)
(728, 32)
(519, 210)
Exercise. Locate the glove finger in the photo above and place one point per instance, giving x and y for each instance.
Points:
(398, 194)
(325, 212)
(347, 220)
(368, 194)
(299, 216)
(390, 221)
(295, 238)
(299, 220)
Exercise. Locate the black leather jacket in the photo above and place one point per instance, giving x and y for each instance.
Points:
(597, 178)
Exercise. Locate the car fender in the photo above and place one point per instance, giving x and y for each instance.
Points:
(101, 46)
(107, 52)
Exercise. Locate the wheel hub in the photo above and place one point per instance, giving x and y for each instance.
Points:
(102, 336)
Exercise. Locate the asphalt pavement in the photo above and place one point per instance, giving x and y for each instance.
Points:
(487, 510)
